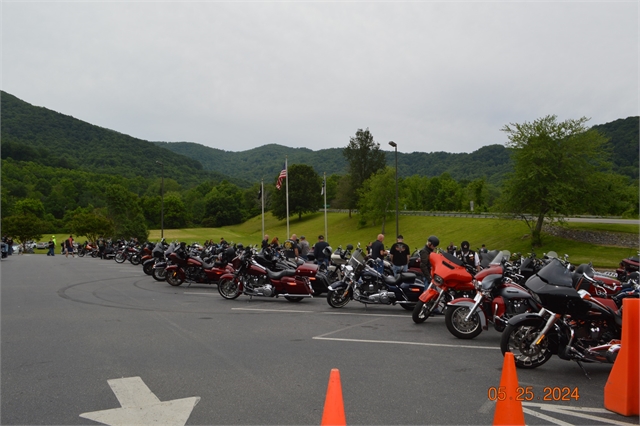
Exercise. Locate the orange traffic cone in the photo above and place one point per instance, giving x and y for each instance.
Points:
(508, 409)
(333, 414)
(621, 391)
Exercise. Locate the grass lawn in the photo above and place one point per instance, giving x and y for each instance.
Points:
(494, 233)
(500, 234)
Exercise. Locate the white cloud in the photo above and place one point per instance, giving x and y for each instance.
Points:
(430, 76)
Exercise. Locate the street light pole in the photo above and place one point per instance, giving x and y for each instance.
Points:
(161, 202)
(395, 146)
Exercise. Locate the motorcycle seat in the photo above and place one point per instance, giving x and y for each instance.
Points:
(405, 277)
(281, 274)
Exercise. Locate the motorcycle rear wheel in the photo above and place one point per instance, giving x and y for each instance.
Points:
(337, 298)
(81, 253)
(159, 274)
(518, 339)
(174, 279)
(422, 310)
(454, 318)
(228, 289)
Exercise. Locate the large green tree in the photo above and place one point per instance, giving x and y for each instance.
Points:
(125, 212)
(365, 158)
(558, 168)
(305, 187)
(91, 224)
(377, 198)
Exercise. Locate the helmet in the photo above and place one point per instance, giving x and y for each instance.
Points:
(327, 251)
(349, 247)
(433, 240)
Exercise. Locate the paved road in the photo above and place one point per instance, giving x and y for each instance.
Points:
(73, 329)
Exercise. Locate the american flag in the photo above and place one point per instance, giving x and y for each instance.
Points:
(283, 175)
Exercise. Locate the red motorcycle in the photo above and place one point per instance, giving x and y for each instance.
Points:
(451, 278)
(498, 299)
(193, 269)
(253, 279)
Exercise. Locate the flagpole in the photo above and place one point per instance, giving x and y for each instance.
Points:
(324, 192)
(262, 202)
(286, 167)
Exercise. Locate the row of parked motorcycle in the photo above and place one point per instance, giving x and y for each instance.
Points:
(542, 306)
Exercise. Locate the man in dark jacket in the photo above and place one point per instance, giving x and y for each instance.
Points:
(425, 263)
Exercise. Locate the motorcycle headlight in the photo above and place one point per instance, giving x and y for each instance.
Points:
(438, 279)
(477, 284)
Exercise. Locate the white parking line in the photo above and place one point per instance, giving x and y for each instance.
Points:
(395, 342)
(572, 411)
(272, 310)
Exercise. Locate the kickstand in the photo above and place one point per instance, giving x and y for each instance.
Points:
(583, 370)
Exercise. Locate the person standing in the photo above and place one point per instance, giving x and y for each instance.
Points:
(304, 247)
(467, 256)
(291, 248)
(265, 242)
(318, 251)
(52, 248)
(400, 254)
(451, 249)
(68, 247)
(425, 262)
(101, 246)
(378, 253)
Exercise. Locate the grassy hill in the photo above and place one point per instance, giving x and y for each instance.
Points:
(495, 233)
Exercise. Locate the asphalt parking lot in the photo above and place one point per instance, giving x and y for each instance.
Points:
(97, 339)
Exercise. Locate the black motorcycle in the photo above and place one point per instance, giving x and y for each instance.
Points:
(362, 283)
(572, 324)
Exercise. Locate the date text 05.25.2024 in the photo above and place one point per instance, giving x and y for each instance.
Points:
(527, 393)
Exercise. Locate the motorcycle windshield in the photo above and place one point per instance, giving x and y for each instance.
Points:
(555, 273)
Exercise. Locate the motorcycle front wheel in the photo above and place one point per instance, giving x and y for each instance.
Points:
(135, 259)
(159, 274)
(228, 289)
(455, 320)
(422, 310)
(81, 253)
(338, 298)
(518, 340)
(173, 278)
(119, 258)
(148, 268)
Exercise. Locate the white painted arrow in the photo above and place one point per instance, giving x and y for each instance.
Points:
(141, 407)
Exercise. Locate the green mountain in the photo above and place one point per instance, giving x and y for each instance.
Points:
(624, 135)
(266, 161)
(37, 134)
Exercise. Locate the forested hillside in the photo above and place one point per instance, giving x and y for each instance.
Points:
(59, 173)
(37, 134)
(491, 162)
(624, 136)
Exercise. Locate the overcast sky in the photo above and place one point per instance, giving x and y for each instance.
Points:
(432, 76)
